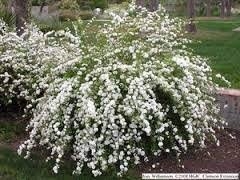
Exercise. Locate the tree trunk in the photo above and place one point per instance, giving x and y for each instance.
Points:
(191, 27)
(140, 3)
(223, 6)
(151, 5)
(191, 8)
(228, 7)
(208, 8)
(23, 14)
(42, 6)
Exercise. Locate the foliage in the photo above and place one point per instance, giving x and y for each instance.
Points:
(69, 4)
(7, 17)
(56, 25)
(93, 4)
(85, 15)
(134, 91)
(103, 4)
(68, 15)
(3, 4)
(37, 2)
(42, 2)
(5, 14)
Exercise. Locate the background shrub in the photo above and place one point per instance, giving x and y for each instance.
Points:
(85, 15)
(68, 15)
(103, 4)
(69, 4)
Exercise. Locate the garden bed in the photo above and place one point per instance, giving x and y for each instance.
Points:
(213, 159)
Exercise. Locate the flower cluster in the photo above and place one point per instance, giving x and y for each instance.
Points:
(26, 62)
(136, 91)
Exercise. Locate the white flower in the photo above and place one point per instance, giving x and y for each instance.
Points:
(218, 76)
(146, 55)
(160, 144)
(131, 49)
(55, 169)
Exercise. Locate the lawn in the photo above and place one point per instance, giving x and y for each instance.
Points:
(221, 45)
(13, 167)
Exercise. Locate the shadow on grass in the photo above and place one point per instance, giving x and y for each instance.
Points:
(14, 167)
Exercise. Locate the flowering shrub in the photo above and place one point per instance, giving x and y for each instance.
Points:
(26, 62)
(136, 91)
(235, 11)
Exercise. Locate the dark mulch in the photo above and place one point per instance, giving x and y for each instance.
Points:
(213, 159)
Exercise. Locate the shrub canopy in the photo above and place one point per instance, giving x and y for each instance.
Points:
(128, 90)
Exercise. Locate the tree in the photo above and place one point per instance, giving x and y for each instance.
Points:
(223, 5)
(153, 5)
(209, 7)
(140, 3)
(191, 27)
(43, 3)
(23, 14)
(228, 7)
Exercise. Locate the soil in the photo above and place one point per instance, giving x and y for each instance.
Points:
(213, 159)
(19, 134)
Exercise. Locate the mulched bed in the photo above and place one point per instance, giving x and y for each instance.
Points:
(213, 159)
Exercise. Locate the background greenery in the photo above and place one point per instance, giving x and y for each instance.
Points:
(221, 45)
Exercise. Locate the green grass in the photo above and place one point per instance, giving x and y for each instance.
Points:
(14, 167)
(221, 45)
